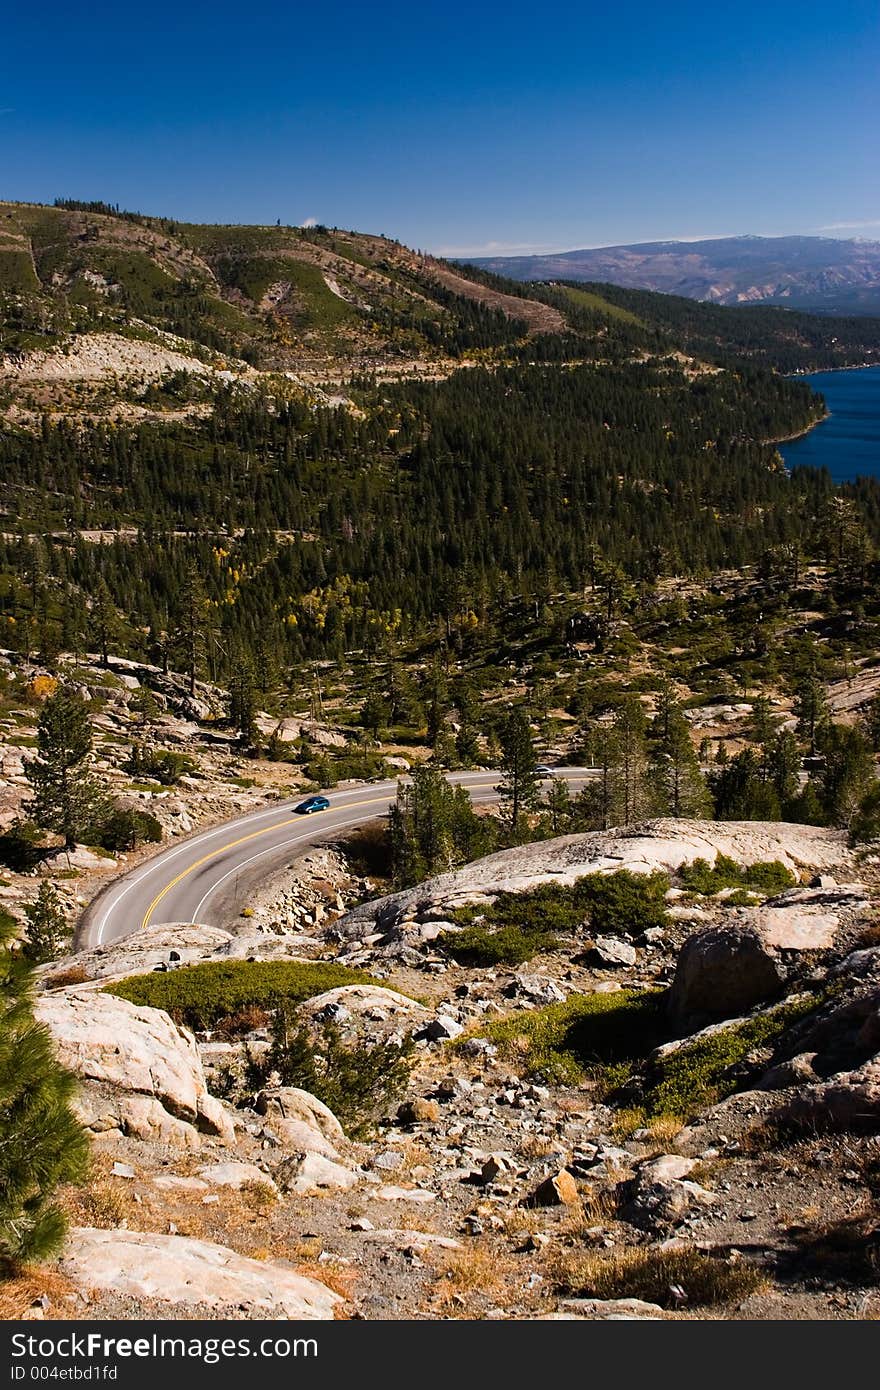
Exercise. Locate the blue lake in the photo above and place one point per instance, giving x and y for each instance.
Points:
(848, 442)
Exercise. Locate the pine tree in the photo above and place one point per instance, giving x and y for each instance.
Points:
(195, 624)
(421, 826)
(66, 800)
(847, 775)
(633, 790)
(48, 929)
(558, 805)
(810, 708)
(675, 772)
(41, 1143)
(104, 624)
(243, 702)
(519, 787)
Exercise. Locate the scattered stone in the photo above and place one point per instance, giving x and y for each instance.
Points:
(237, 1176)
(119, 1050)
(405, 1194)
(724, 971)
(559, 1189)
(441, 1028)
(312, 1172)
(611, 951)
(418, 1112)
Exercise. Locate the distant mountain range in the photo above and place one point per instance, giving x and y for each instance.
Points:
(823, 274)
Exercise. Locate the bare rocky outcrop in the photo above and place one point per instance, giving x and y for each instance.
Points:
(650, 846)
(140, 1073)
(185, 1273)
(140, 952)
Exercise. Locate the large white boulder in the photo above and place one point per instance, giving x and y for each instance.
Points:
(196, 1273)
(122, 1053)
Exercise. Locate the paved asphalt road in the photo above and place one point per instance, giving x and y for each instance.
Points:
(210, 877)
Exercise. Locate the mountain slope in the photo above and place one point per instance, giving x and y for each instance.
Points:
(818, 273)
(277, 298)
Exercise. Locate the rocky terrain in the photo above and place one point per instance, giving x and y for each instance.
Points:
(728, 1169)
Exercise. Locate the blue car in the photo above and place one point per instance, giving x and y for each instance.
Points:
(312, 803)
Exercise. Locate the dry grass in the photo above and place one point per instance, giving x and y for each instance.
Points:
(259, 1197)
(654, 1275)
(340, 1278)
(74, 975)
(20, 1292)
(479, 1270)
(598, 1206)
(869, 937)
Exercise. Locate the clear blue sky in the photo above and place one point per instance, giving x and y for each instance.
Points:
(454, 127)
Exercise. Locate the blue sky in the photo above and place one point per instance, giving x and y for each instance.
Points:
(455, 128)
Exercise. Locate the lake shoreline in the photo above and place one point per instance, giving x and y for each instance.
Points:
(799, 434)
(848, 444)
(820, 371)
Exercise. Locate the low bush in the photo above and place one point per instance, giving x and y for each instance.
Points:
(619, 902)
(22, 846)
(587, 1034)
(201, 996)
(770, 876)
(699, 1073)
(358, 1081)
(656, 1275)
(126, 829)
(160, 764)
(506, 946)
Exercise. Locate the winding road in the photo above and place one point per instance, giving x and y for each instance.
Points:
(211, 876)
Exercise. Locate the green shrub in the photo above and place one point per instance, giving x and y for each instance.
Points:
(694, 1075)
(357, 1081)
(585, 1034)
(619, 902)
(770, 876)
(22, 846)
(126, 829)
(201, 996)
(160, 764)
(507, 946)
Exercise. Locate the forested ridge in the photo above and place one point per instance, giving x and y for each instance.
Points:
(637, 433)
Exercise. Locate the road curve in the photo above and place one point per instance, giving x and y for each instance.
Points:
(211, 876)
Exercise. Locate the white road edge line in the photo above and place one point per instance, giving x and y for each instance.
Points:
(114, 897)
(261, 855)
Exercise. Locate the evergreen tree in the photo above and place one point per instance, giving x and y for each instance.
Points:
(48, 932)
(810, 708)
(872, 723)
(41, 1143)
(847, 774)
(104, 624)
(633, 793)
(558, 806)
(519, 787)
(781, 767)
(243, 703)
(675, 772)
(433, 826)
(740, 791)
(195, 624)
(66, 800)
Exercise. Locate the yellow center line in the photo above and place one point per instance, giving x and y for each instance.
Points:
(232, 844)
(269, 830)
